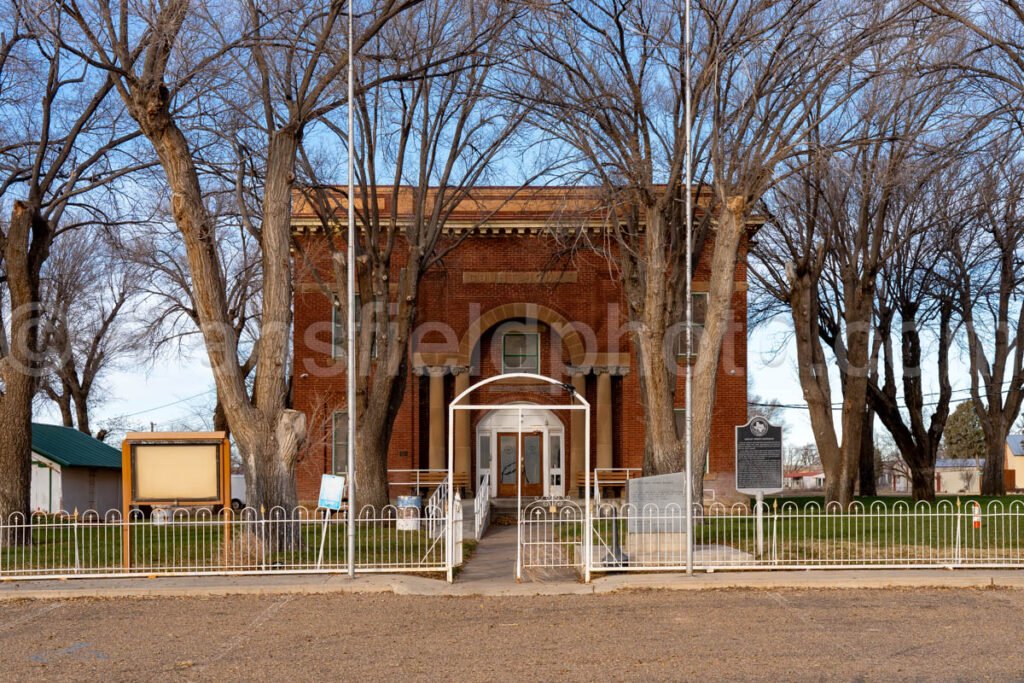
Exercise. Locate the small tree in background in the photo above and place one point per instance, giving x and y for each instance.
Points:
(964, 438)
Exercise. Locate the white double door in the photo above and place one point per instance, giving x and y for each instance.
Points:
(530, 454)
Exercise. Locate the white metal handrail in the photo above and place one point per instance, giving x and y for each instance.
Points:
(482, 505)
(438, 501)
(419, 478)
(631, 473)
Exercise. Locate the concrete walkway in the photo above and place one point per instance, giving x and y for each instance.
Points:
(503, 584)
(494, 560)
(492, 571)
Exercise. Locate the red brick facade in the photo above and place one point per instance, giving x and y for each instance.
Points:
(511, 276)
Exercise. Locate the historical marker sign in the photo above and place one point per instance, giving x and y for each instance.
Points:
(758, 457)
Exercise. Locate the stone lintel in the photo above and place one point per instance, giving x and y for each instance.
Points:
(502, 277)
(614, 370)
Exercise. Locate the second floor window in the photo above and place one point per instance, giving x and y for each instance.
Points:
(700, 309)
(520, 352)
(338, 326)
(339, 441)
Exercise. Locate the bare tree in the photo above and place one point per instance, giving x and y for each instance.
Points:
(987, 279)
(913, 299)
(991, 325)
(837, 223)
(278, 65)
(423, 142)
(87, 294)
(57, 152)
(172, 321)
(609, 83)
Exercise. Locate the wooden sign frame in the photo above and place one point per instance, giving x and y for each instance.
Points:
(129, 477)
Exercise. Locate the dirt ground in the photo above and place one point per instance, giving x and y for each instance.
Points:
(953, 634)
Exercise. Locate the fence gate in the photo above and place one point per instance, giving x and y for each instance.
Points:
(551, 535)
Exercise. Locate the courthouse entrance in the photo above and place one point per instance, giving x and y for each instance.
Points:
(520, 455)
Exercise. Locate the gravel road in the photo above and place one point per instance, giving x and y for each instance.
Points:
(954, 634)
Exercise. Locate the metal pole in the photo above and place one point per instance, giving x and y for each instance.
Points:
(760, 523)
(450, 515)
(588, 514)
(689, 296)
(351, 322)
(519, 494)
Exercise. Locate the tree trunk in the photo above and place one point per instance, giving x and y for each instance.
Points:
(82, 414)
(25, 248)
(868, 481)
(63, 402)
(813, 370)
(15, 459)
(220, 419)
(650, 310)
(379, 392)
(371, 464)
(268, 435)
(269, 454)
(993, 482)
(663, 450)
(373, 436)
(718, 322)
(922, 483)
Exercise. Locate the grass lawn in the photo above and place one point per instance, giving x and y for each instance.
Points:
(890, 502)
(797, 530)
(97, 548)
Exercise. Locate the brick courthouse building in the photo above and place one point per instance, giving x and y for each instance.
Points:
(509, 298)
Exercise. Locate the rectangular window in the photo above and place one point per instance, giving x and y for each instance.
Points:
(339, 441)
(700, 309)
(483, 456)
(555, 449)
(338, 327)
(680, 423)
(520, 352)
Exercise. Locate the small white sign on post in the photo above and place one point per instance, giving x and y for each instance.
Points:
(332, 490)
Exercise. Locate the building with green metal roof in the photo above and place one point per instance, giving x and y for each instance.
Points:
(73, 471)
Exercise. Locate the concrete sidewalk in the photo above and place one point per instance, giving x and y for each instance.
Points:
(310, 584)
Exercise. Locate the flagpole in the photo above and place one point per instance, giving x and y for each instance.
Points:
(350, 332)
(689, 294)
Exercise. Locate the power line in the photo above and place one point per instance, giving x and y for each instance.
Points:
(839, 405)
(165, 405)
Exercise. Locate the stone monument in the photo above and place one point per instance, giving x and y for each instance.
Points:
(656, 524)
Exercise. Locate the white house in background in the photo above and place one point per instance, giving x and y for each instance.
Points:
(73, 471)
(958, 475)
(804, 480)
(1015, 461)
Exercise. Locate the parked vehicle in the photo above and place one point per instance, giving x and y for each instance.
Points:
(238, 491)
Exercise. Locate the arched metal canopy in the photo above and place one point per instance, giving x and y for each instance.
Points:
(579, 403)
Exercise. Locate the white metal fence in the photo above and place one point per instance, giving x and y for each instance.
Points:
(947, 534)
(196, 541)
(550, 535)
(553, 533)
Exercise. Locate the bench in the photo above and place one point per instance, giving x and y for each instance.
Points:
(609, 478)
(424, 482)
